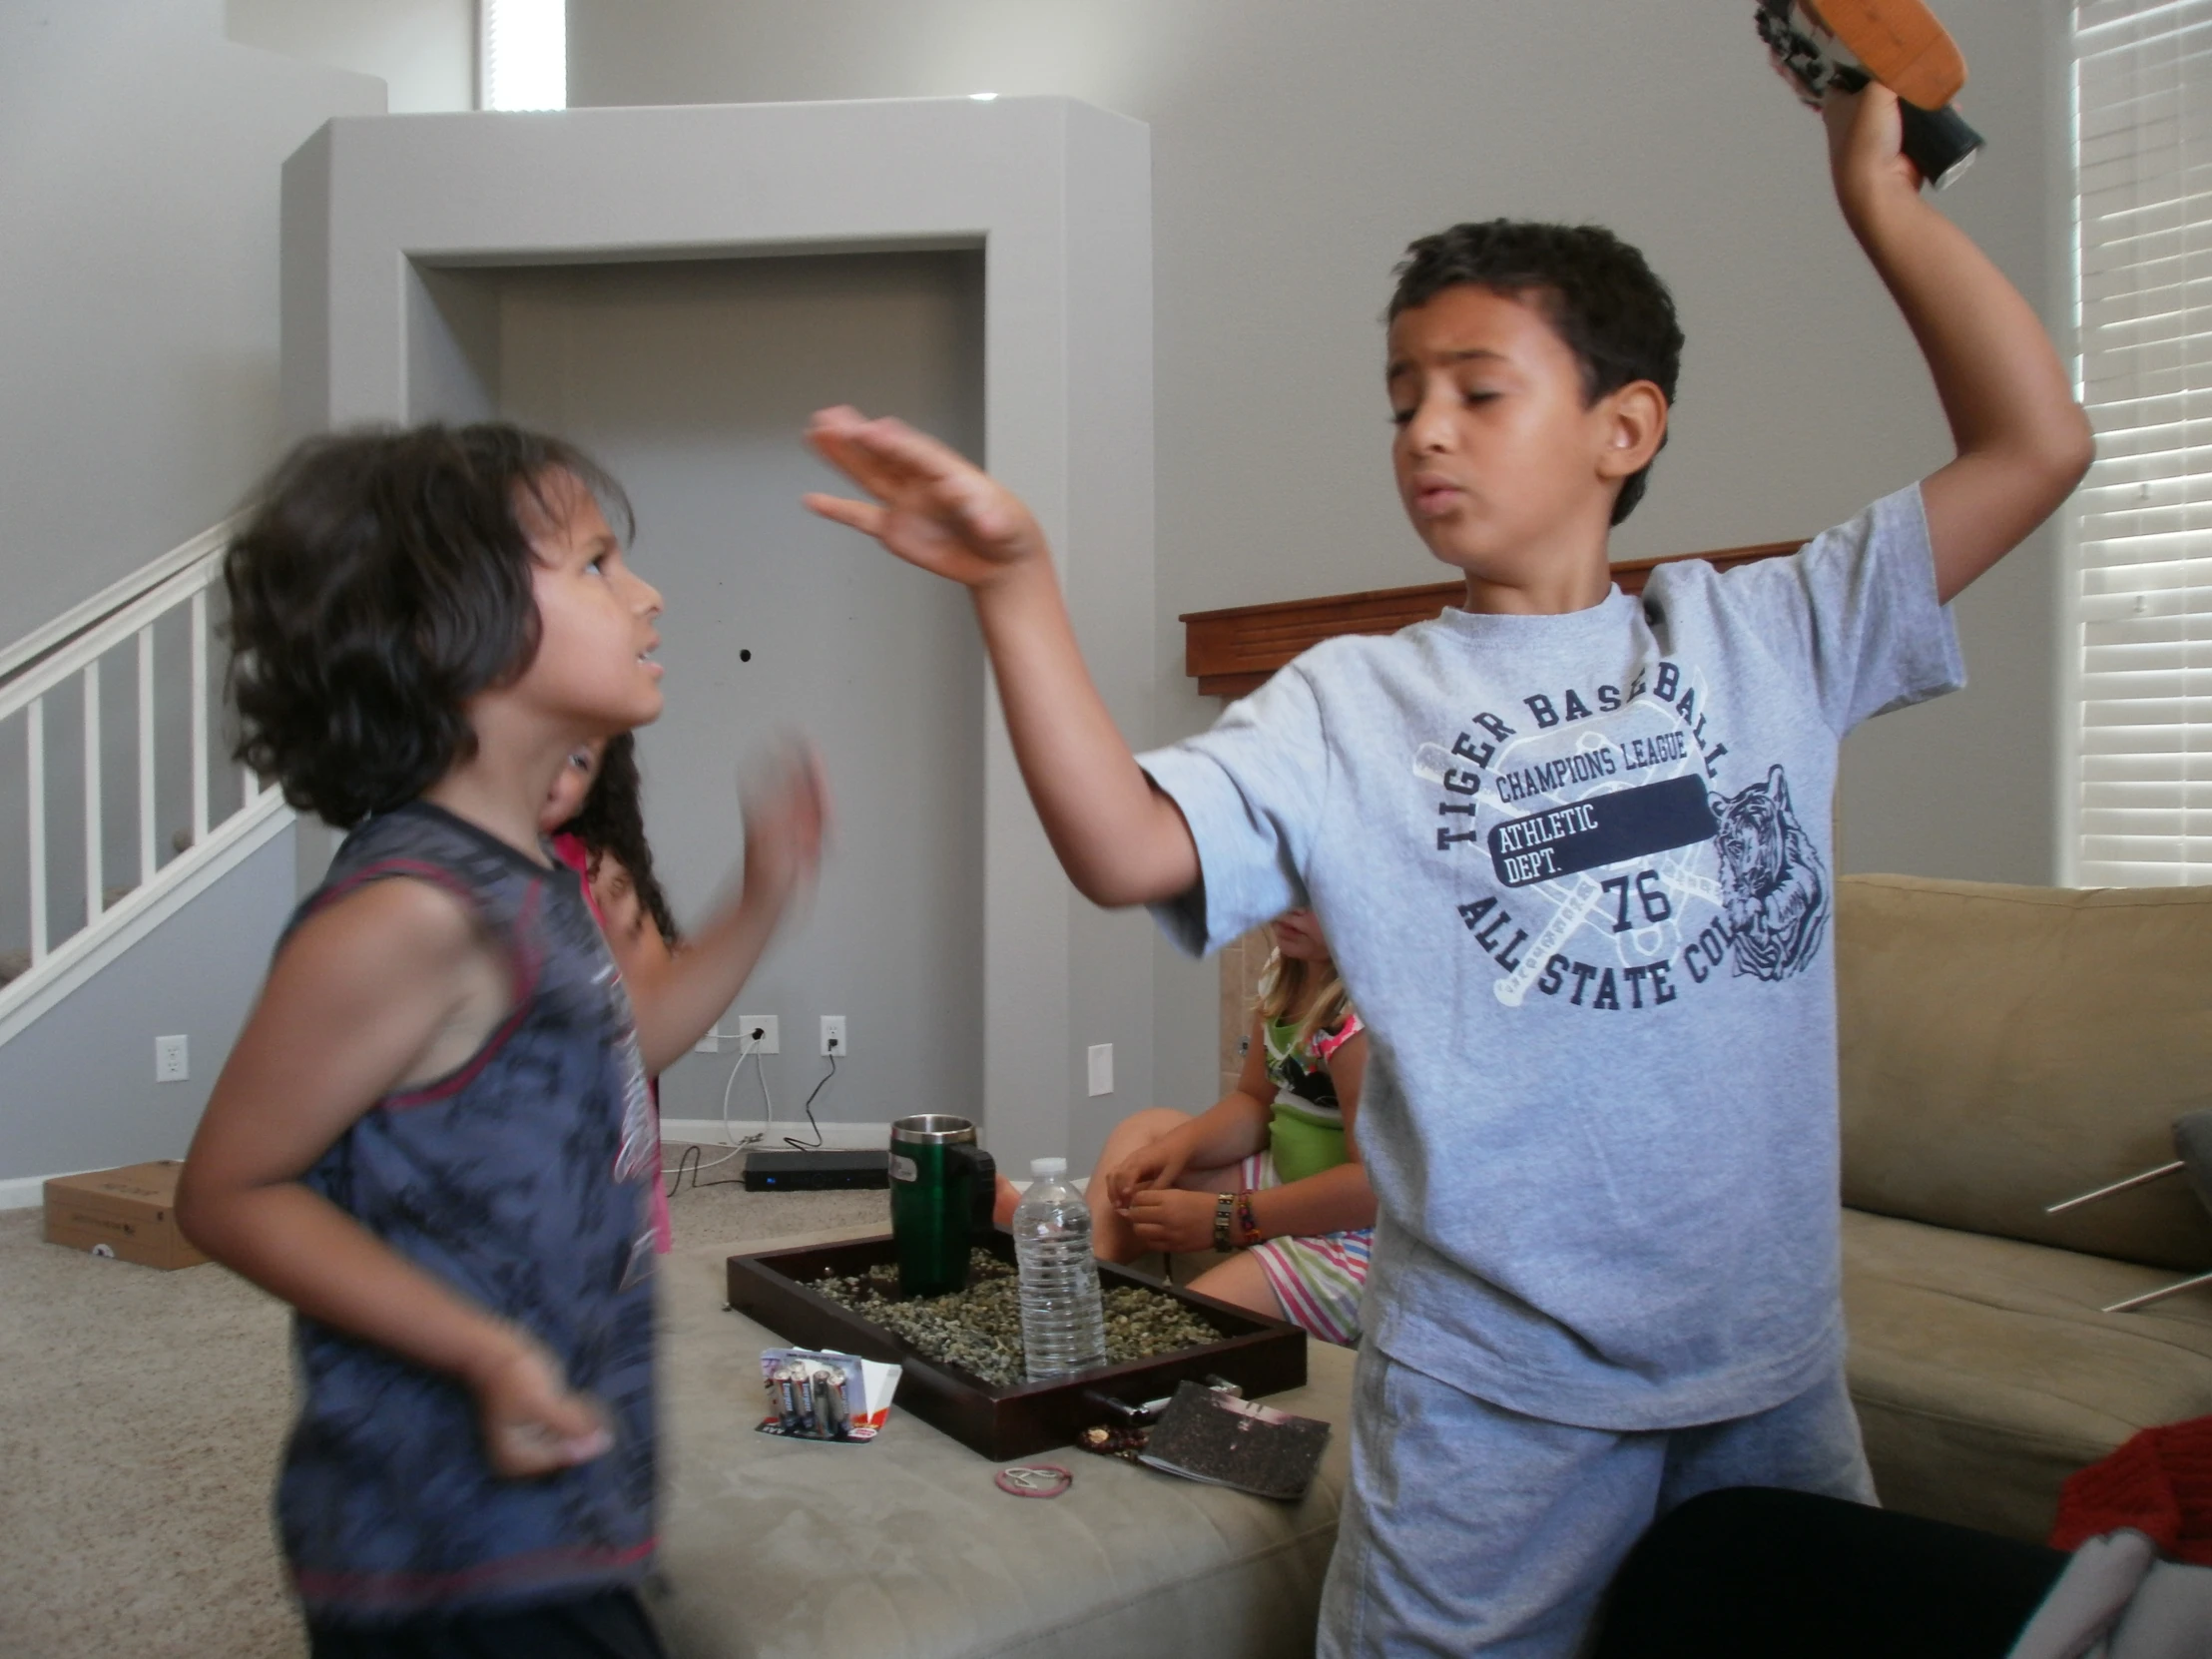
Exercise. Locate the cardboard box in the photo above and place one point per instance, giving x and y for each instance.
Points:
(129, 1213)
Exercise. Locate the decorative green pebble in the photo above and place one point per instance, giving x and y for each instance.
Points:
(979, 1328)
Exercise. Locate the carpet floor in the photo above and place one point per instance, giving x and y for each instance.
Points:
(141, 1416)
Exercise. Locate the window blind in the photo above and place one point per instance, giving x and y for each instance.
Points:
(2142, 85)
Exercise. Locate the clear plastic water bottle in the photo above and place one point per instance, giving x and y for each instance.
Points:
(1063, 1321)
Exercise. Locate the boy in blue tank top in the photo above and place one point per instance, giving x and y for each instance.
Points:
(1571, 854)
(433, 1137)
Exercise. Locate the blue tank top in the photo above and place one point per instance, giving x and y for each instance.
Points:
(521, 1181)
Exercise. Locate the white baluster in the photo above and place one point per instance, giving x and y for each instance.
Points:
(34, 745)
(146, 754)
(199, 717)
(95, 876)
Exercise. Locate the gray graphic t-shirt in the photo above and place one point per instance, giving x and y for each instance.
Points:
(1576, 872)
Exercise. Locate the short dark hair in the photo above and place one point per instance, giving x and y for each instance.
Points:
(612, 821)
(382, 579)
(1612, 310)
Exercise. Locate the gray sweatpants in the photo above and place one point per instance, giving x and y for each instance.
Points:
(1472, 1529)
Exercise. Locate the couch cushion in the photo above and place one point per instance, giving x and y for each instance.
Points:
(1984, 1371)
(904, 1546)
(2005, 1047)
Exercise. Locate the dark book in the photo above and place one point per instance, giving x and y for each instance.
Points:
(1206, 1435)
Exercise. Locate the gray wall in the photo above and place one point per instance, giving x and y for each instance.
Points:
(691, 382)
(139, 156)
(76, 1088)
(138, 167)
(1298, 147)
(424, 51)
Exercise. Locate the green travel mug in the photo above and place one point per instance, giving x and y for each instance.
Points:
(942, 1185)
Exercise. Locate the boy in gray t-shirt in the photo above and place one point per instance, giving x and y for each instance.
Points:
(1571, 852)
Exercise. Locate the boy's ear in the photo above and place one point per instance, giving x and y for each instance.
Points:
(1633, 424)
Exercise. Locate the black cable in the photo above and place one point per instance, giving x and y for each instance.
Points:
(815, 1146)
(690, 1156)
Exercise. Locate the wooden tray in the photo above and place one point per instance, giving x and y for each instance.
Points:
(1261, 1355)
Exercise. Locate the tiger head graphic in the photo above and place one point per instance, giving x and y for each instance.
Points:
(1772, 884)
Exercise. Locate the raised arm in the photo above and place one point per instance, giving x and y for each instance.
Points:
(676, 997)
(1120, 839)
(2022, 440)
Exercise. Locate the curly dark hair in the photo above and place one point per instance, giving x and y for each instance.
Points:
(612, 821)
(1614, 314)
(382, 579)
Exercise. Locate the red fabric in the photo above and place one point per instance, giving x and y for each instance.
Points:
(572, 852)
(2160, 1483)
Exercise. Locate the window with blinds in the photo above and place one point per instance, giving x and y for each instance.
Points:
(2142, 84)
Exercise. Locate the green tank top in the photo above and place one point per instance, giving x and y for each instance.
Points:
(1305, 1134)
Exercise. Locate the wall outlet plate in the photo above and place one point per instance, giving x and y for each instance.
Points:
(171, 1059)
(833, 1035)
(771, 1039)
(1101, 1064)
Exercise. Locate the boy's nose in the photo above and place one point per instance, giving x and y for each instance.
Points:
(647, 600)
(1431, 428)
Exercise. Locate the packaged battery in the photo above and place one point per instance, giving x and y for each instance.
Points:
(822, 1394)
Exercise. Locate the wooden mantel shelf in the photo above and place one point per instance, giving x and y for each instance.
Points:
(1233, 652)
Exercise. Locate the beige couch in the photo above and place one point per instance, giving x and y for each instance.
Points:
(2001, 1048)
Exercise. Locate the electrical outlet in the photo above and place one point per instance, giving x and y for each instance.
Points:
(832, 1034)
(711, 1043)
(1101, 1056)
(171, 1059)
(770, 1040)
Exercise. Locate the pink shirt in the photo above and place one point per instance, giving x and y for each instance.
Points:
(573, 852)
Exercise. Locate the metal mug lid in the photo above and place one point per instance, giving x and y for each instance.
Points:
(932, 1128)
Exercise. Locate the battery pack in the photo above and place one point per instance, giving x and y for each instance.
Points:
(797, 1171)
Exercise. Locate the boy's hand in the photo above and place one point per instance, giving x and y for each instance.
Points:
(938, 510)
(1172, 1220)
(533, 1422)
(1865, 135)
(786, 817)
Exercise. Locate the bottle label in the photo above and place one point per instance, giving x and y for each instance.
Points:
(902, 1169)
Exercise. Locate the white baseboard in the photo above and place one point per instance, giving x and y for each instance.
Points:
(28, 1191)
(836, 1137)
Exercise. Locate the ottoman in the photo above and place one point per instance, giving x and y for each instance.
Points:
(905, 1548)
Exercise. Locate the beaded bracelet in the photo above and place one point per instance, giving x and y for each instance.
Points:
(1225, 1210)
(1248, 1226)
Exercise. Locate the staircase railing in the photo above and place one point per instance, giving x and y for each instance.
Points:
(77, 894)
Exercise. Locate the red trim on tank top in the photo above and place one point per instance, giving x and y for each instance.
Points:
(396, 1586)
(522, 984)
(522, 977)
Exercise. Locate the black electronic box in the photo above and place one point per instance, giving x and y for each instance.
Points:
(795, 1172)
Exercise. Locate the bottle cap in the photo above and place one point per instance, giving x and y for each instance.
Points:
(1046, 1168)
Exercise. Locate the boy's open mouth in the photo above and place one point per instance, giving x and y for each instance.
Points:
(1433, 495)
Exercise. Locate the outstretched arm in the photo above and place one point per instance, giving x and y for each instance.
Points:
(2022, 440)
(676, 997)
(1120, 839)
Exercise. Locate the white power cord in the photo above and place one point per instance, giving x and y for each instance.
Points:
(746, 1052)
